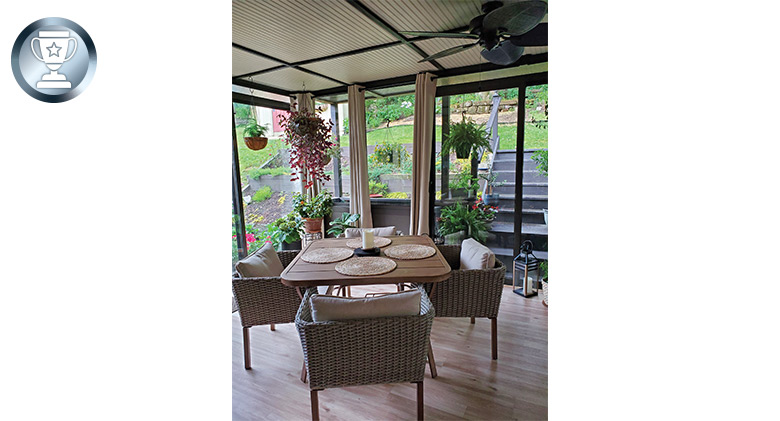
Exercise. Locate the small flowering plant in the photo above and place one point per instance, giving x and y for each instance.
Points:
(486, 212)
(309, 138)
(319, 206)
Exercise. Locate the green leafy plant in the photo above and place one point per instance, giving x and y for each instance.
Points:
(252, 129)
(543, 270)
(464, 180)
(286, 229)
(319, 206)
(262, 194)
(455, 218)
(346, 220)
(389, 153)
(540, 157)
(377, 188)
(375, 172)
(490, 179)
(465, 138)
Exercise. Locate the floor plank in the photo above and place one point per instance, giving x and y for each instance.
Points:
(470, 384)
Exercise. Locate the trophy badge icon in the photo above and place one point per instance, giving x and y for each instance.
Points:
(54, 48)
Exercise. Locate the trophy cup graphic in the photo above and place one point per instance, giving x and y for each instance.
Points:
(54, 49)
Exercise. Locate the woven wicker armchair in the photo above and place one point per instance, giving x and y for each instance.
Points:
(365, 351)
(469, 293)
(265, 301)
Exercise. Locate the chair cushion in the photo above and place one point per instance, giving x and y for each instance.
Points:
(380, 232)
(262, 263)
(474, 255)
(327, 307)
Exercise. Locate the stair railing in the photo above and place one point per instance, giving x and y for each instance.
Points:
(492, 131)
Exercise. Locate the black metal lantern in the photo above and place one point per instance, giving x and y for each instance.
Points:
(526, 271)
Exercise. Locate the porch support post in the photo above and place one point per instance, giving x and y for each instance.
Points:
(519, 157)
(334, 117)
(445, 131)
(238, 200)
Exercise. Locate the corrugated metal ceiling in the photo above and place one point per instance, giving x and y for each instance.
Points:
(389, 62)
(301, 30)
(244, 62)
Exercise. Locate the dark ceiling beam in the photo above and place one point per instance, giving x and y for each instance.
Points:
(260, 102)
(409, 79)
(389, 29)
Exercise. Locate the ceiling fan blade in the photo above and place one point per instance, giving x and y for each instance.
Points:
(448, 52)
(439, 34)
(515, 18)
(536, 37)
(505, 54)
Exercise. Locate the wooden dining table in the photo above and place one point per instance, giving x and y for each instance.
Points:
(433, 269)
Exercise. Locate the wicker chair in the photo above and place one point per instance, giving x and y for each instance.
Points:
(366, 351)
(469, 293)
(264, 301)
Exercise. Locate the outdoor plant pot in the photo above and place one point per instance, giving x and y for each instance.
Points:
(491, 199)
(455, 238)
(295, 245)
(256, 143)
(544, 291)
(458, 193)
(463, 153)
(311, 225)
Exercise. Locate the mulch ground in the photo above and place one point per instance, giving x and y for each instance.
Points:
(269, 210)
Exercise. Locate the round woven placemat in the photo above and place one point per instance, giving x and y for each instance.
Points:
(327, 255)
(378, 242)
(410, 252)
(365, 266)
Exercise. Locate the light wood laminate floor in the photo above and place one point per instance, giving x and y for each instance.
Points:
(470, 385)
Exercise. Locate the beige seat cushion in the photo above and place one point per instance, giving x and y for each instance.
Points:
(380, 232)
(474, 255)
(329, 307)
(262, 263)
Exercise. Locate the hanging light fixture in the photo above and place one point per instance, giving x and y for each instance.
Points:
(526, 271)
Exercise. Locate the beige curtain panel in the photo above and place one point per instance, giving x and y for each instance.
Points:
(304, 102)
(424, 101)
(359, 201)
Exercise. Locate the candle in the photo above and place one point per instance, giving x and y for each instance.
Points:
(368, 239)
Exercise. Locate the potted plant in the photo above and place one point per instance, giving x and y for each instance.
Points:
(465, 138)
(312, 210)
(254, 135)
(286, 231)
(464, 185)
(338, 226)
(545, 287)
(309, 139)
(491, 198)
(540, 157)
(456, 218)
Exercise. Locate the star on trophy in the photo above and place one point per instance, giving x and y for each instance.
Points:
(54, 48)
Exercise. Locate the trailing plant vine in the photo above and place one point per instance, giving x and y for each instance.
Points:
(309, 138)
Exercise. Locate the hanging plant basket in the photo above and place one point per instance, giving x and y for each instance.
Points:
(256, 143)
(463, 153)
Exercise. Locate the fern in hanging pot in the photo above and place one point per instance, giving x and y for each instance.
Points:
(309, 138)
(465, 138)
(254, 135)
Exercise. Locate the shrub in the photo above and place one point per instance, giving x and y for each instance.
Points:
(262, 194)
(540, 157)
(377, 188)
(397, 195)
(376, 171)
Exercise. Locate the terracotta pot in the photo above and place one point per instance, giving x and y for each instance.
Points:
(311, 225)
(256, 143)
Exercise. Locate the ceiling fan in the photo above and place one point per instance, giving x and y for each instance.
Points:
(498, 30)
